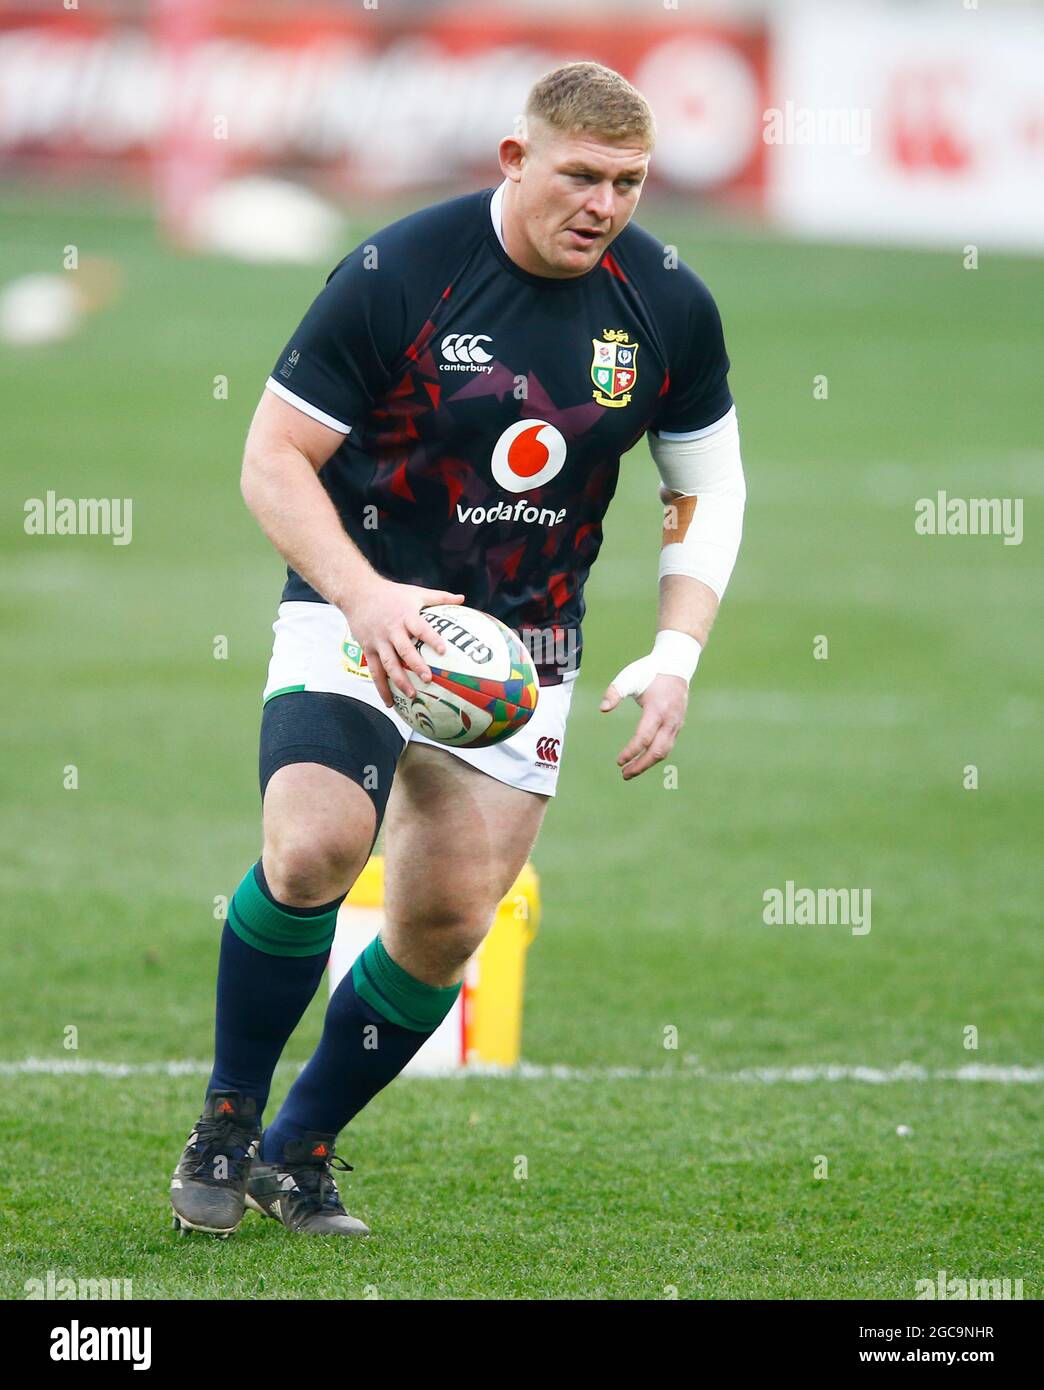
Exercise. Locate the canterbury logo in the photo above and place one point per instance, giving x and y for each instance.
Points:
(463, 351)
(547, 750)
(320, 1151)
(226, 1108)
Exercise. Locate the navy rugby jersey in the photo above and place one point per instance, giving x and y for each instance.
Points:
(485, 408)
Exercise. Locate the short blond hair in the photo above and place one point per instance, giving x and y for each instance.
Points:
(589, 99)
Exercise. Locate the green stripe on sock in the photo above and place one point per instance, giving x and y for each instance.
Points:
(396, 995)
(268, 928)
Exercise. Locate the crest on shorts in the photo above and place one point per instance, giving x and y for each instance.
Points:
(354, 658)
(613, 367)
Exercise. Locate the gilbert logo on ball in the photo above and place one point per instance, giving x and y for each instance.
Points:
(483, 688)
(527, 455)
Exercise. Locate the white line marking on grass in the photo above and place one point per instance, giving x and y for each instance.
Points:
(771, 1076)
(74, 1066)
(905, 1071)
(530, 1071)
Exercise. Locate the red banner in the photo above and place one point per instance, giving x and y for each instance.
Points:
(379, 101)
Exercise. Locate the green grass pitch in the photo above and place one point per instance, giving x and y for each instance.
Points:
(691, 1177)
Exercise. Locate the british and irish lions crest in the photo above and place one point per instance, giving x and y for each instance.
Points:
(613, 367)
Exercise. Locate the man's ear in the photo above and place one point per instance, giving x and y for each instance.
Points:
(511, 152)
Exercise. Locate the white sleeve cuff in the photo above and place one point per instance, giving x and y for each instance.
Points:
(305, 407)
(669, 435)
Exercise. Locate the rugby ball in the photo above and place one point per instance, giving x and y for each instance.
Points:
(483, 688)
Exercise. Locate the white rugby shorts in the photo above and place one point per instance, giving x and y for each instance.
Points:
(309, 654)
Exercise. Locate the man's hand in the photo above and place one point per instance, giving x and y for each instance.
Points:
(660, 684)
(385, 620)
(663, 703)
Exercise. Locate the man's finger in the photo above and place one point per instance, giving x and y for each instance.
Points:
(409, 655)
(418, 627)
(391, 664)
(435, 596)
(644, 735)
(610, 699)
(380, 677)
(655, 753)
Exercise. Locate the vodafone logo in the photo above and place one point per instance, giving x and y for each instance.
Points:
(527, 455)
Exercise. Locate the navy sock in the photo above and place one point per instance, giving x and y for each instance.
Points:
(377, 1019)
(272, 959)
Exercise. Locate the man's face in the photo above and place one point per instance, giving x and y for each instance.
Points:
(574, 195)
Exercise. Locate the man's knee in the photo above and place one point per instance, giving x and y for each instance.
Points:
(451, 930)
(304, 872)
(319, 828)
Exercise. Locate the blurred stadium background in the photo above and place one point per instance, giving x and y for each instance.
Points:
(861, 187)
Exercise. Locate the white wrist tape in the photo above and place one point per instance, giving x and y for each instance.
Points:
(673, 654)
(676, 654)
(707, 466)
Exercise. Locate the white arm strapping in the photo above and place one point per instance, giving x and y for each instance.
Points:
(706, 465)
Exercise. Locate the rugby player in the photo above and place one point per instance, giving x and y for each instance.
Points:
(446, 426)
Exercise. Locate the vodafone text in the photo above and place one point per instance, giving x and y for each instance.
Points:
(506, 511)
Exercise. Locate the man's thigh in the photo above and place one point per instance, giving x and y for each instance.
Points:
(318, 831)
(455, 841)
(326, 763)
